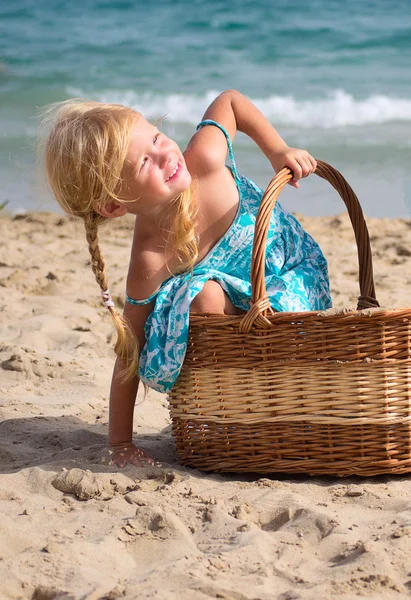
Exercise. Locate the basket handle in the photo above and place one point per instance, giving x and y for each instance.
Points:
(260, 304)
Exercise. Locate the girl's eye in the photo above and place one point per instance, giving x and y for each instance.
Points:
(155, 138)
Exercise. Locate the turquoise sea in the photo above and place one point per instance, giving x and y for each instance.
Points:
(333, 77)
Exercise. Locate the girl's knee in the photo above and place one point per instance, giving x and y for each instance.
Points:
(210, 299)
(213, 299)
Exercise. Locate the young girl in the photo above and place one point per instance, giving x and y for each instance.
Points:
(193, 233)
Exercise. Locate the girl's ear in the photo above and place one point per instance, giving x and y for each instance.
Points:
(112, 209)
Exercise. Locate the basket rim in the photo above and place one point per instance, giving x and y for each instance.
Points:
(330, 317)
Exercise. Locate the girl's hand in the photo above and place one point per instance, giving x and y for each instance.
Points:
(300, 162)
(123, 454)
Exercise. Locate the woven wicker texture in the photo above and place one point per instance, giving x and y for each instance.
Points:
(313, 392)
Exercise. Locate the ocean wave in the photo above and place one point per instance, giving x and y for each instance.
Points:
(337, 109)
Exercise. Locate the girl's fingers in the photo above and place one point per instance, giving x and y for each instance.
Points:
(313, 163)
(137, 457)
(304, 167)
(138, 462)
(307, 164)
(301, 163)
(297, 170)
(143, 462)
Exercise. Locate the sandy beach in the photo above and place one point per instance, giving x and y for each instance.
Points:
(74, 528)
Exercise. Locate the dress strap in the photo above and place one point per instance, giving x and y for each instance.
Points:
(141, 302)
(229, 144)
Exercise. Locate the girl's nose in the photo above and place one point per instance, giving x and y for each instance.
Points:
(163, 158)
(164, 151)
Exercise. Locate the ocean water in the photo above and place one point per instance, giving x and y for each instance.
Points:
(333, 77)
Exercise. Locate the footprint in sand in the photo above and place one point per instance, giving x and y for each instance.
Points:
(36, 285)
(309, 524)
(156, 534)
(46, 593)
(32, 364)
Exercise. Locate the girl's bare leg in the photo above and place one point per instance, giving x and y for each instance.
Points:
(213, 299)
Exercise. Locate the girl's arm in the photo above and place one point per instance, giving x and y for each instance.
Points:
(122, 400)
(207, 149)
(123, 397)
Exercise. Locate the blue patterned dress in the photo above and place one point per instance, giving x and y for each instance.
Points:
(296, 280)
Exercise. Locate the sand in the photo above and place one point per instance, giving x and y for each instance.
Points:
(73, 527)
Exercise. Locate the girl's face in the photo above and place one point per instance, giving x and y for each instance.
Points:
(154, 171)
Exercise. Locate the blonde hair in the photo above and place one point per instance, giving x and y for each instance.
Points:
(84, 157)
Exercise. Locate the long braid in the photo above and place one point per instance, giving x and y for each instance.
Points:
(97, 262)
(126, 346)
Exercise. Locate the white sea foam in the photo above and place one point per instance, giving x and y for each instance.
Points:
(336, 109)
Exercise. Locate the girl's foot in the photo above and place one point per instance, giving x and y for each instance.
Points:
(124, 454)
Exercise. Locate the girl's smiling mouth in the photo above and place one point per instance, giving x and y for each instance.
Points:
(174, 173)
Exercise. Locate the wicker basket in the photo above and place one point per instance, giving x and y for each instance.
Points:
(306, 392)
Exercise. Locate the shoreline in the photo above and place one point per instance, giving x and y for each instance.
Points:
(100, 532)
